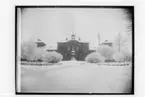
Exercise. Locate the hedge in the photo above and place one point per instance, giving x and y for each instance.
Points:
(94, 58)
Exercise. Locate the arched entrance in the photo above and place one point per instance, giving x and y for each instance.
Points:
(73, 47)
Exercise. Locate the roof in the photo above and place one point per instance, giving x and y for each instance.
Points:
(51, 47)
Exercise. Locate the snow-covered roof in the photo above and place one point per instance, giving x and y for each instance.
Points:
(51, 47)
(92, 47)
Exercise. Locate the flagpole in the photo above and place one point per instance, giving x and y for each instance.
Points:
(98, 36)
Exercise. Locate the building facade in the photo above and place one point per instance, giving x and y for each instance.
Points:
(72, 49)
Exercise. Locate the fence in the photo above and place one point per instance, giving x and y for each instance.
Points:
(38, 63)
(81, 63)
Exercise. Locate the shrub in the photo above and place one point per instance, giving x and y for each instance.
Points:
(52, 57)
(23, 59)
(105, 51)
(39, 54)
(94, 57)
(28, 50)
(122, 56)
(118, 56)
(127, 56)
(110, 60)
(39, 60)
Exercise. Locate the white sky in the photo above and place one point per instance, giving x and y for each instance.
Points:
(52, 25)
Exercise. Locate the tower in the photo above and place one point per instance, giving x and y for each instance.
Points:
(73, 36)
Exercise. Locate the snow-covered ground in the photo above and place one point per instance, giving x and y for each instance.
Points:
(76, 77)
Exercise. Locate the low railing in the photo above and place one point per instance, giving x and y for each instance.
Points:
(81, 63)
(114, 64)
(37, 63)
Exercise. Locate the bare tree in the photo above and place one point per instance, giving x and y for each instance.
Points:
(122, 42)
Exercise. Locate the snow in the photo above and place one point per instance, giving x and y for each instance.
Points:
(75, 77)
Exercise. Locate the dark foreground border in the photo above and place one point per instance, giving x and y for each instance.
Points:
(33, 93)
(130, 8)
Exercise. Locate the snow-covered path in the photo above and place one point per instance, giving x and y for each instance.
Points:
(72, 77)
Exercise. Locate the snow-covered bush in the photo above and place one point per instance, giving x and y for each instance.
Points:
(127, 56)
(118, 56)
(94, 57)
(52, 57)
(110, 60)
(39, 54)
(123, 56)
(105, 51)
(28, 50)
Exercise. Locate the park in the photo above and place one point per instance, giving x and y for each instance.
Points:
(76, 77)
(102, 71)
(82, 50)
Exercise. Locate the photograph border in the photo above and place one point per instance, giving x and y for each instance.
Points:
(73, 6)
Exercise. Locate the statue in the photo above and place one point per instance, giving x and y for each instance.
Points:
(73, 54)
